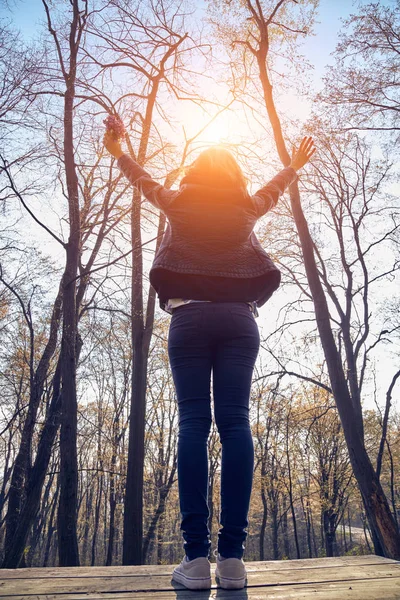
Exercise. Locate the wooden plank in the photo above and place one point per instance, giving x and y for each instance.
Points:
(156, 583)
(139, 570)
(359, 590)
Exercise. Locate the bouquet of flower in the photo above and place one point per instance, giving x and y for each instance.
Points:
(115, 126)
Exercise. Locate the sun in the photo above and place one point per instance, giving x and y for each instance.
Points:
(218, 130)
(210, 127)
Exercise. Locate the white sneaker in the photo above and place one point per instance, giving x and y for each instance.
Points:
(194, 574)
(230, 573)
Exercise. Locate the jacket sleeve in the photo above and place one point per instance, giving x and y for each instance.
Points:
(267, 197)
(155, 193)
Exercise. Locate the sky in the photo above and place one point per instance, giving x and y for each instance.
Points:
(27, 14)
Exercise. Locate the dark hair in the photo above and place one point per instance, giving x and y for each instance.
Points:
(217, 167)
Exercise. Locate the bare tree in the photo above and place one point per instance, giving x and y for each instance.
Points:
(151, 45)
(326, 445)
(255, 39)
(364, 82)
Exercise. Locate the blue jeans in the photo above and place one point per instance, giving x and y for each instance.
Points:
(222, 338)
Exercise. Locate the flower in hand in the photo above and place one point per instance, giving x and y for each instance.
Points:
(303, 154)
(115, 131)
(115, 126)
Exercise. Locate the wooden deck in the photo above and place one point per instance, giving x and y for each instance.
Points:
(357, 578)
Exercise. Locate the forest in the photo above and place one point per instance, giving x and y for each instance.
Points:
(88, 414)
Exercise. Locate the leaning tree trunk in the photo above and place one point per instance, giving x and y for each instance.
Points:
(385, 533)
(40, 522)
(37, 476)
(22, 464)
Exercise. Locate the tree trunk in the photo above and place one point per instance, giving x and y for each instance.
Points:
(385, 534)
(329, 535)
(133, 509)
(392, 484)
(86, 531)
(296, 537)
(50, 529)
(7, 473)
(37, 476)
(67, 510)
(39, 523)
(97, 516)
(151, 533)
(274, 531)
(113, 504)
(141, 337)
(160, 538)
(286, 545)
(150, 537)
(214, 461)
(344, 535)
(68, 505)
(314, 537)
(211, 504)
(307, 514)
(365, 529)
(263, 521)
(22, 464)
(350, 534)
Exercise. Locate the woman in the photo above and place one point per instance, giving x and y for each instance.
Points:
(211, 274)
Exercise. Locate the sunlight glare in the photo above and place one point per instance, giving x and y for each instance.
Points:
(210, 129)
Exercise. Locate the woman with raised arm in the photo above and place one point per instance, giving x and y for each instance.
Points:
(211, 274)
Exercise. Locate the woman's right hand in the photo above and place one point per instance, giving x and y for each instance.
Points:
(303, 154)
(112, 144)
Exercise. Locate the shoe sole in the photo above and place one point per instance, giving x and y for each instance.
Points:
(230, 583)
(192, 583)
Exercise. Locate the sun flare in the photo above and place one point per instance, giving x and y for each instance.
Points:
(211, 128)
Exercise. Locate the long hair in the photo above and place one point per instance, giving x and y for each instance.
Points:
(216, 167)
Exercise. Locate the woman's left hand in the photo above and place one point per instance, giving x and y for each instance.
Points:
(112, 145)
(303, 154)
